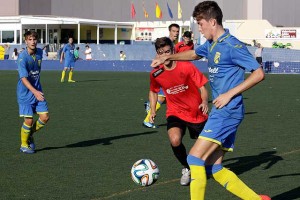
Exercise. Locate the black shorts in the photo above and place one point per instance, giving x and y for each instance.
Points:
(194, 128)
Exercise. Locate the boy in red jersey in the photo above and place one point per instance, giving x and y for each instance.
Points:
(187, 99)
(186, 44)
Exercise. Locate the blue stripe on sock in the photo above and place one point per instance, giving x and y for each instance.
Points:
(41, 122)
(26, 127)
(212, 169)
(192, 160)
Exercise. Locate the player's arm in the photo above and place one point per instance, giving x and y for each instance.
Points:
(62, 56)
(38, 94)
(204, 96)
(255, 77)
(153, 97)
(185, 55)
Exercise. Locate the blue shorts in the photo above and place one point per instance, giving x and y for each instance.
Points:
(161, 93)
(221, 130)
(27, 110)
(69, 63)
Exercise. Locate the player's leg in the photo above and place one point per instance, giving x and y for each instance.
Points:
(72, 65)
(227, 178)
(42, 111)
(26, 111)
(201, 150)
(63, 74)
(176, 130)
(161, 100)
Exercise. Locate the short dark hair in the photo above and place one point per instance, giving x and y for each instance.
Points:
(87, 46)
(208, 10)
(173, 25)
(31, 33)
(162, 42)
(187, 34)
(121, 51)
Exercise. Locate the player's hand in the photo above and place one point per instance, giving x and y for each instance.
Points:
(60, 60)
(152, 117)
(222, 100)
(39, 95)
(158, 61)
(204, 107)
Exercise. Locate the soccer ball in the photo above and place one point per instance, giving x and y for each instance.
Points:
(144, 172)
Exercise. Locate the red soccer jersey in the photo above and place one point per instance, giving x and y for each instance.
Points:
(180, 47)
(181, 87)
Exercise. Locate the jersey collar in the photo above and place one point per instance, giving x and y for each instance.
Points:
(224, 36)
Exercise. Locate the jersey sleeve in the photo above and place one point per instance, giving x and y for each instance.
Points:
(22, 67)
(242, 57)
(198, 78)
(203, 50)
(154, 86)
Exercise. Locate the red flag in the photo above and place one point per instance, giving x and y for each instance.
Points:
(132, 11)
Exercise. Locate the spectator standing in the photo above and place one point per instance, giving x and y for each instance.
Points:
(88, 52)
(258, 54)
(15, 54)
(122, 55)
(76, 53)
(45, 53)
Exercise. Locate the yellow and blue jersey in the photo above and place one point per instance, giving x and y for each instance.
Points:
(69, 52)
(29, 66)
(228, 59)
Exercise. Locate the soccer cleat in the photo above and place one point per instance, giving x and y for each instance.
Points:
(264, 197)
(149, 125)
(31, 142)
(62, 80)
(147, 106)
(71, 81)
(186, 177)
(27, 150)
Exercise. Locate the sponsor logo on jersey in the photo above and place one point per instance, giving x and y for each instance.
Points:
(208, 131)
(177, 89)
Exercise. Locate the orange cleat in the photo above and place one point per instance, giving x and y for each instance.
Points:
(265, 197)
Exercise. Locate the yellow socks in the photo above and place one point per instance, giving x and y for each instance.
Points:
(38, 125)
(25, 133)
(63, 73)
(233, 184)
(198, 177)
(147, 119)
(70, 75)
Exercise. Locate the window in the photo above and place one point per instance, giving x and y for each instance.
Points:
(7, 36)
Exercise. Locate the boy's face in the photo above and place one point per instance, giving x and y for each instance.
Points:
(71, 40)
(206, 27)
(31, 42)
(174, 32)
(167, 50)
(186, 40)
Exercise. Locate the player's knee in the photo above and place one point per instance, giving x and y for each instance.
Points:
(44, 118)
(28, 121)
(175, 141)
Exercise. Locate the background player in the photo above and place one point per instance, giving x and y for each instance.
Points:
(173, 35)
(228, 58)
(186, 107)
(29, 92)
(186, 44)
(68, 55)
